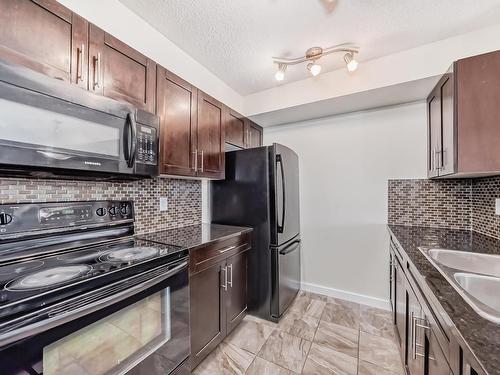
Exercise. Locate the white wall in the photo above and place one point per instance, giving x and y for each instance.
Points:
(345, 162)
(115, 18)
(424, 61)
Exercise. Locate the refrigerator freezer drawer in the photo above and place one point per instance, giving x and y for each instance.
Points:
(285, 276)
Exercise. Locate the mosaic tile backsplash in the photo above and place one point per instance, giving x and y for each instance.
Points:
(457, 204)
(484, 193)
(184, 197)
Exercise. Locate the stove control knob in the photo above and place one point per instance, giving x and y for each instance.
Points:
(5, 218)
(124, 210)
(112, 211)
(101, 211)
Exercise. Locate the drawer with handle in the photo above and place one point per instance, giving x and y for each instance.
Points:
(204, 257)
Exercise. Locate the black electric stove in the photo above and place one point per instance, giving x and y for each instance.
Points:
(63, 262)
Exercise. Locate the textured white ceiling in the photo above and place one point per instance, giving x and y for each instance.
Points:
(236, 39)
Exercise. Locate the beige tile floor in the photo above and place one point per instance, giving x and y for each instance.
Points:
(318, 335)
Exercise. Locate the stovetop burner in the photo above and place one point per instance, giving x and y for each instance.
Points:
(131, 254)
(20, 268)
(49, 277)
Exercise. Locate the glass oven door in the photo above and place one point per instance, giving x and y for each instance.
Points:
(145, 333)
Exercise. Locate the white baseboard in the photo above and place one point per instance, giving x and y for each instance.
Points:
(348, 296)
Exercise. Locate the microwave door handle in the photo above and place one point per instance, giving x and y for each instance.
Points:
(130, 132)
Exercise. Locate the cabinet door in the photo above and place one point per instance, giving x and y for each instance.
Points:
(236, 300)
(434, 127)
(208, 317)
(46, 37)
(414, 336)
(435, 360)
(210, 137)
(176, 107)
(235, 129)
(400, 304)
(119, 72)
(253, 134)
(392, 283)
(447, 152)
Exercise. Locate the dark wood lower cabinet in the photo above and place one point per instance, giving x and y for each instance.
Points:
(236, 302)
(218, 284)
(208, 323)
(424, 346)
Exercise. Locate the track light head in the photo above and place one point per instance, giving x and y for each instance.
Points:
(314, 68)
(350, 61)
(280, 74)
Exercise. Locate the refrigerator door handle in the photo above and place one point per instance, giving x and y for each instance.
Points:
(290, 248)
(281, 226)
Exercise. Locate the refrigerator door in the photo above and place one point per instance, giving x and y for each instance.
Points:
(284, 194)
(285, 276)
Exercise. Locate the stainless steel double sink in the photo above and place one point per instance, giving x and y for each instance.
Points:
(475, 276)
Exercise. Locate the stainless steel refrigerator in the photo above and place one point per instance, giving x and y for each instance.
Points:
(261, 190)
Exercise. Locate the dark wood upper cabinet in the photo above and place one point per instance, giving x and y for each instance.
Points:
(253, 134)
(120, 72)
(176, 106)
(463, 114)
(235, 129)
(210, 137)
(46, 37)
(241, 132)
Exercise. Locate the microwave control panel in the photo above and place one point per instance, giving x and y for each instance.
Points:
(147, 145)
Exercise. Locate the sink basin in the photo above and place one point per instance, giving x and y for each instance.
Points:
(485, 264)
(475, 276)
(485, 293)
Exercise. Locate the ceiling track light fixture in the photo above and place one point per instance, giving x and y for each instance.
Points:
(315, 53)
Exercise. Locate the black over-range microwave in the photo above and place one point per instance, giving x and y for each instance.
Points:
(50, 128)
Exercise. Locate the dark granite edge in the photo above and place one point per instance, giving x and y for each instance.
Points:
(445, 320)
(238, 231)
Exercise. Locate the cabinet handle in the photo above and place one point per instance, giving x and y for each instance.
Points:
(414, 336)
(439, 155)
(195, 155)
(79, 67)
(225, 278)
(97, 71)
(415, 325)
(434, 167)
(202, 162)
(222, 251)
(230, 275)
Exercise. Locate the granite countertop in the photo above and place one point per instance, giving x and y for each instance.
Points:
(479, 334)
(195, 236)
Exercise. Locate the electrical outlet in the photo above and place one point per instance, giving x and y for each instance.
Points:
(163, 204)
(497, 206)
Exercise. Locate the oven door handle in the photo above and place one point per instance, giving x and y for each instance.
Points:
(58, 316)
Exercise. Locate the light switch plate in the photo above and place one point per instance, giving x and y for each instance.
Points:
(163, 204)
